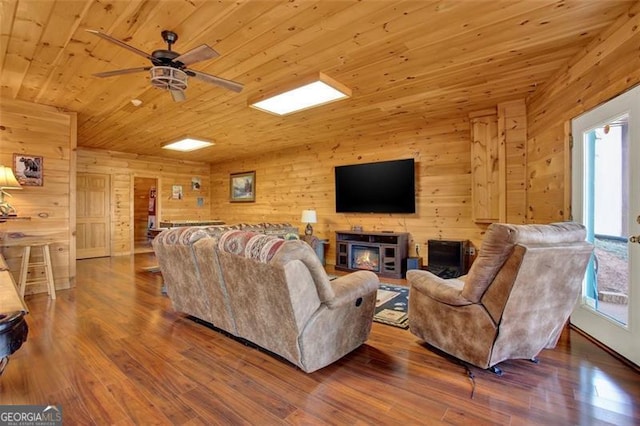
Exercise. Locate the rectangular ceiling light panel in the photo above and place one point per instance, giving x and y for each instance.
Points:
(187, 144)
(319, 92)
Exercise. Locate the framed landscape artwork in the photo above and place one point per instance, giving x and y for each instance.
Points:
(242, 187)
(28, 169)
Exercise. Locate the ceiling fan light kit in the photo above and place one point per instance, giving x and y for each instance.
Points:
(169, 72)
(169, 69)
(168, 78)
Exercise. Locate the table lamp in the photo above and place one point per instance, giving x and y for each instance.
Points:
(7, 181)
(308, 217)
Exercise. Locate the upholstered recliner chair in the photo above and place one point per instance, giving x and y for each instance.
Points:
(513, 303)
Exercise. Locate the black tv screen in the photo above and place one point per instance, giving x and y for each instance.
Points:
(384, 187)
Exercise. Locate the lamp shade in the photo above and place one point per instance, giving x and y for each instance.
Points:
(8, 179)
(309, 216)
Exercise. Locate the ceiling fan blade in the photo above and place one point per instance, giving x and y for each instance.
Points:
(121, 44)
(120, 72)
(227, 84)
(200, 53)
(178, 95)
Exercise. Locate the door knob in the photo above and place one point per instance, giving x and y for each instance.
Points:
(634, 239)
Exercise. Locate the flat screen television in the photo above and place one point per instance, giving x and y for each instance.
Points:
(382, 187)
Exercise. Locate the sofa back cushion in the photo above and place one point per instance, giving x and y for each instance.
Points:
(271, 300)
(251, 245)
(267, 248)
(299, 251)
(544, 293)
(181, 236)
(278, 229)
(498, 245)
(192, 273)
(177, 262)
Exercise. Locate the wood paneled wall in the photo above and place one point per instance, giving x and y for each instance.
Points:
(607, 67)
(288, 182)
(498, 150)
(512, 131)
(301, 178)
(487, 167)
(124, 167)
(39, 130)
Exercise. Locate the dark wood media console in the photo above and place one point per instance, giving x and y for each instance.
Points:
(384, 253)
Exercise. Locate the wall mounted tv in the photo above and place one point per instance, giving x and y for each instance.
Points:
(383, 187)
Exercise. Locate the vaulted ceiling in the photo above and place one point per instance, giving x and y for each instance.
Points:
(408, 63)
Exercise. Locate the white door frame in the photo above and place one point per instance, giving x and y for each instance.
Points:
(621, 338)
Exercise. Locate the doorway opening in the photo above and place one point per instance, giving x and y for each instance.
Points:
(145, 213)
(606, 199)
(606, 181)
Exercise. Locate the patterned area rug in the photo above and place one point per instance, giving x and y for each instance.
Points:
(391, 305)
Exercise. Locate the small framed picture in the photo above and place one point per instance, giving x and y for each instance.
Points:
(176, 192)
(196, 184)
(242, 187)
(28, 169)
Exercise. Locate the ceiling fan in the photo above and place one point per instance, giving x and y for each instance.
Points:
(169, 69)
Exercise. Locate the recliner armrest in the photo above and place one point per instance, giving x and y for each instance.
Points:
(444, 291)
(350, 287)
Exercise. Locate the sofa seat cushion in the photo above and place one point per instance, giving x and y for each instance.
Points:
(251, 245)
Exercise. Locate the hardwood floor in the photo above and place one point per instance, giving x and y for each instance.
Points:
(112, 351)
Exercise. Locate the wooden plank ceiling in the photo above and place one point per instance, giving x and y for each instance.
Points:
(407, 62)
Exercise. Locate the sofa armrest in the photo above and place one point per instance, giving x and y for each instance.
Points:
(350, 287)
(431, 285)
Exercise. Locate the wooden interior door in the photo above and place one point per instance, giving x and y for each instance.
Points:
(93, 235)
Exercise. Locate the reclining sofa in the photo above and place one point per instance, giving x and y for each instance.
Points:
(267, 290)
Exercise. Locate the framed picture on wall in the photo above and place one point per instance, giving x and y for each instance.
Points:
(28, 169)
(242, 187)
(176, 192)
(196, 184)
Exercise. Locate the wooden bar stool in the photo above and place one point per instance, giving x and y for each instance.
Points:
(46, 263)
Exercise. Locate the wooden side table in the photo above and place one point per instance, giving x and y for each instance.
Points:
(318, 245)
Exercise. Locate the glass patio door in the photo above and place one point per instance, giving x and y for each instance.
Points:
(606, 199)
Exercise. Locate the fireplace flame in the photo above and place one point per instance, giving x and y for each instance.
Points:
(366, 259)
